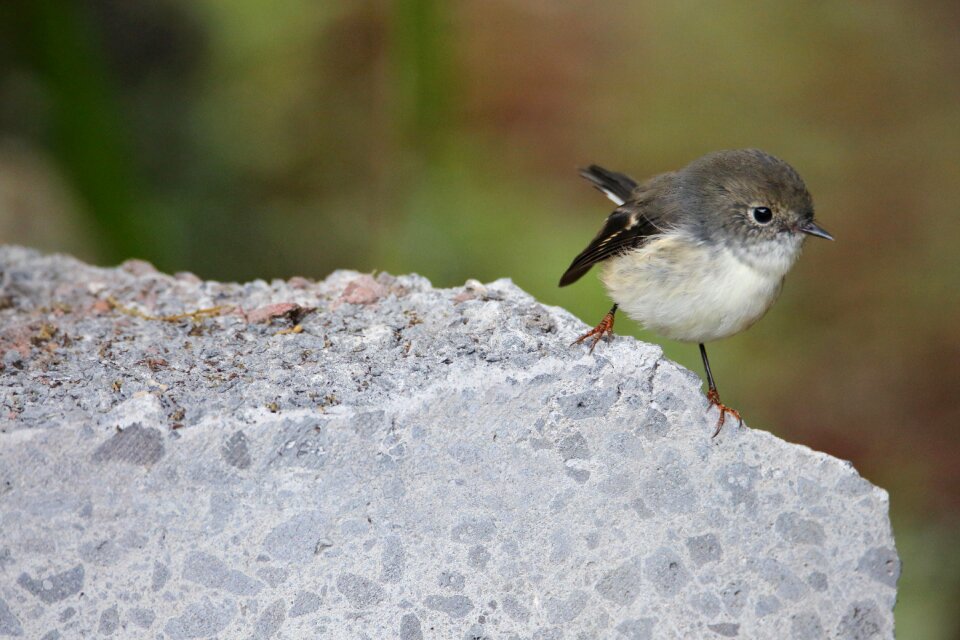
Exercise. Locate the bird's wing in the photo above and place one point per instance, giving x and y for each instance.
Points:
(644, 213)
(626, 228)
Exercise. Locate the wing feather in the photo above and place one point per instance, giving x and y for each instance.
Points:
(642, 215)
(626, 228)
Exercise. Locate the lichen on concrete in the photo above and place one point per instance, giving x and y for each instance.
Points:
(370, 457)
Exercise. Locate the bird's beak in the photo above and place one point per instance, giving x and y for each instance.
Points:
(815, 230)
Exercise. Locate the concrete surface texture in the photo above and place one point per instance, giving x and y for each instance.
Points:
(370, 457)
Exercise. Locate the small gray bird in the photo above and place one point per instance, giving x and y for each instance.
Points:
(699, 254)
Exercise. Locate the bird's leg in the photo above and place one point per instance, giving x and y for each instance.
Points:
(714, 396)
(605, 327)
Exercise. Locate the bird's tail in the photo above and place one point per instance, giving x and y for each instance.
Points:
(616, 186)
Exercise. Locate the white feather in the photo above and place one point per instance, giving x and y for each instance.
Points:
(617, 200)
(686, 291)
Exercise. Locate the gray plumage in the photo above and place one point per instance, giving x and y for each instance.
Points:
(710, 198)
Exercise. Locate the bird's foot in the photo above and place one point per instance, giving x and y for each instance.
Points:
(714, 397)
(604, 328)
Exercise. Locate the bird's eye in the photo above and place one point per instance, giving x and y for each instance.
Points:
(762, 215)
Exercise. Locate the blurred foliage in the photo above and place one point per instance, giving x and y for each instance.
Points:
(250, 139)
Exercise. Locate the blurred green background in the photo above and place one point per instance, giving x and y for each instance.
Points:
(242, 138)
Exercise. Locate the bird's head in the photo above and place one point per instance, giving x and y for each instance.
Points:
(751, 203)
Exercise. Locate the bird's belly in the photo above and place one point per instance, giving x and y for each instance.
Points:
(687, 292)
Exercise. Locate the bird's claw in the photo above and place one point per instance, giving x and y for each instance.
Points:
(604, 328)
(714, 397)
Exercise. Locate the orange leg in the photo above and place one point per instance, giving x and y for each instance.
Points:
(714, 396)
(604, 328)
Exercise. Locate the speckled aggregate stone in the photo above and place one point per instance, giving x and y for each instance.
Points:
(411, 463)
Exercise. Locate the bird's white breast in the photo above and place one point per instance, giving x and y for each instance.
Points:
(686, 291)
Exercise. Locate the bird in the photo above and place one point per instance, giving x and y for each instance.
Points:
(698, 254)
